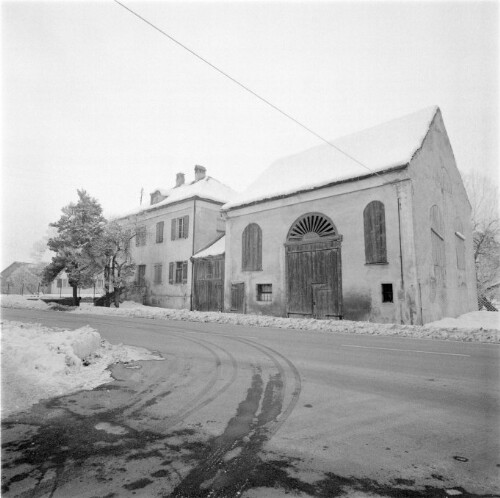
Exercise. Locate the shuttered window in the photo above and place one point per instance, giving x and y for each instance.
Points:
(141, 275)
(375, 237)
(140, 236)
(159, 231)
(158, 273)
(177, 272)
(252, 248)
(437, 247)
(180, 228)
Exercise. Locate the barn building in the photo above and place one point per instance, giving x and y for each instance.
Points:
(378, 232)
(177, 223)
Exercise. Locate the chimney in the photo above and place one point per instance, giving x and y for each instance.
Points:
(179, 180)
(199, 172)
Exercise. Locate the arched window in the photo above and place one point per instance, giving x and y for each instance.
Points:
(375, 240)
(252, 248)
(311, 226)
(437, 244)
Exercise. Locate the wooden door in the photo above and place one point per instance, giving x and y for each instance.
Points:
(238, 297)
(314, 279)
(208, 291)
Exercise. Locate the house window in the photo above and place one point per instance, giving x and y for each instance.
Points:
(140, 236)
(177, 272)
(159, 232)
(180, 228)
(141, 275)
(460, 244)
(264, 292)
(59, 283)
(375, 240)
(158, 271)
(100, 283)
(252, 248)
(387, 294)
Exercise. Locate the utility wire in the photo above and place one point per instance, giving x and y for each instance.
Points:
(192, 52)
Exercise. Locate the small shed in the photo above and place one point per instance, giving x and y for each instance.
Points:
(208, 277)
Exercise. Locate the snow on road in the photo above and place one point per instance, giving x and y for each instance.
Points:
(40, 362)
(477, 326)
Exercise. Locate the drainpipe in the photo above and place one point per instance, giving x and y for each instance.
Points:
(401, 258)
(192, 254)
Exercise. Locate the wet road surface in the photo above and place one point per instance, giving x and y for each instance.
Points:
(233, 412)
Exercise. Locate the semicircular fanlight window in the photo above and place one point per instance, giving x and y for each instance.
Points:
(310, 227)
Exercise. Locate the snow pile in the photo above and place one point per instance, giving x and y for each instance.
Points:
(40, 362)
(17, 301)
(475, 319)
(474, 330)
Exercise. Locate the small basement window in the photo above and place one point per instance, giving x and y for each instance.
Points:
(264, 292)
(387, 294)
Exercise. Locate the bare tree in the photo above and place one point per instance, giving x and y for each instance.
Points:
(485, 218)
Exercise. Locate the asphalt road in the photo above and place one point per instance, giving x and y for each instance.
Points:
(261, 412)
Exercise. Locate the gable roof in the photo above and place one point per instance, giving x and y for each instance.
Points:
(207, 188)
(382, 147)
(7, 272)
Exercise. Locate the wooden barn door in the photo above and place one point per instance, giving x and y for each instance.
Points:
(314, 279)
(313, 268)
(208, 284)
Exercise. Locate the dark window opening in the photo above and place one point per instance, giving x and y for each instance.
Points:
(387, 294)
(264, 292)
(159, 232)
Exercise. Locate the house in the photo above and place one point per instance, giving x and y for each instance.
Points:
(20, 278)
(373, 226)
(60, 287)
(177, 223)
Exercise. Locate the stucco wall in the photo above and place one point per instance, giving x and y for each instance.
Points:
(436, 181)
(361, 283)
(207, 214)
(164, 294)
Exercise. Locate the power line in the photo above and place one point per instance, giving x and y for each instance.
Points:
(192, 52)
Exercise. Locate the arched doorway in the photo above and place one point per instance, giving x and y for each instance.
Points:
(313, 267)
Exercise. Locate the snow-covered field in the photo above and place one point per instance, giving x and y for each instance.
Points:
(40, 362)
(478, 326)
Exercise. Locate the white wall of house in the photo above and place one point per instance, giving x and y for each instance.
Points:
(344, 205)
(202, 229)
(437, 182)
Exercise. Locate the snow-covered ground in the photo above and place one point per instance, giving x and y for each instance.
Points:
(40, 362)
(477, 326)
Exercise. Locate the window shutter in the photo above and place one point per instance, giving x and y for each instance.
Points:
(252, 247)
(171, 273)
(174, 227)
(184, 272)
(375, 234)
(186, 226)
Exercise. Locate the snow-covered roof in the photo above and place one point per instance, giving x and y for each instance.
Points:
(216, 249)
(206, 188)
(379, 148)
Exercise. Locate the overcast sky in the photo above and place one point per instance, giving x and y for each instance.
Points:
(94, 98)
